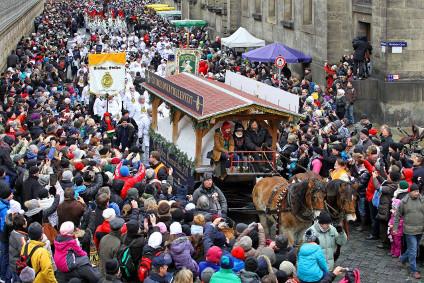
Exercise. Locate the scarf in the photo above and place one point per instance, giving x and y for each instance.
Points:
(109, 126)
(398, 192)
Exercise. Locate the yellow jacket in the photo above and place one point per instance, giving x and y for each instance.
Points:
(41, 263)
(340, 174)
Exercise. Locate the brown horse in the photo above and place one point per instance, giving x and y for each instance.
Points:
(340, 202)
(299, 177)
(292, 207)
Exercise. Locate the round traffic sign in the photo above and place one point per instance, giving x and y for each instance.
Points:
(280, 62)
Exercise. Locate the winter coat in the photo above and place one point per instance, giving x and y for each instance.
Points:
(41, 263)
(288, 254)
(351, 95)
(328, 242)
(125, 136)
(70, 210)
(249, 277)
(4, 206)
(205, 264)
(412, 211)
(224, 276)
(6, 160)
(418, 172)
(92, 188)
(181, 251)
(385, 144)
(387, 190)
(311, 264)
(218, 146)
(108, 248)
(262, 241)
(220, 205)
(130, 181)
(16, 240)
(66, 253)
(238, 265)
(361, 46)
(255, 139)
(31, 188)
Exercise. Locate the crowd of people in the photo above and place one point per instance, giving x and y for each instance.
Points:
(83, 199)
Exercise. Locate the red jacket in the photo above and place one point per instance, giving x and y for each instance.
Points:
(130, 181)
(104, 229)
(370, 188)
(330, 74)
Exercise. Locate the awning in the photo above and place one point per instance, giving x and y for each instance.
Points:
(242, 39)
(189, 23)
(271, 51)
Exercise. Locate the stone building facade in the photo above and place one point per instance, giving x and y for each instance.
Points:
(324, 29)
(16, 20)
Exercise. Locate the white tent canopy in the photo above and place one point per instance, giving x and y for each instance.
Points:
(242, 38)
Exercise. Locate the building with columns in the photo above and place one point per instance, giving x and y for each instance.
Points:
(324, 29)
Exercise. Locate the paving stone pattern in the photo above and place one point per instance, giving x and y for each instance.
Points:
(375, 265)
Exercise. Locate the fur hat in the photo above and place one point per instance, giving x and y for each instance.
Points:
(163, 208)
(246, 243)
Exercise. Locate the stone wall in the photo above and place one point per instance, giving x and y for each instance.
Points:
(16, 20)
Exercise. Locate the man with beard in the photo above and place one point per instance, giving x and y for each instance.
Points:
(411, 209)
(217, 200)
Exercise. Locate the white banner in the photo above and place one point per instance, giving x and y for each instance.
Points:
(266, 92)
(107, 73)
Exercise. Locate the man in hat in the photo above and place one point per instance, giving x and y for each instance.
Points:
(159, 272)
(217, 200)
(109, 244)
(329, 237)
(411, 209)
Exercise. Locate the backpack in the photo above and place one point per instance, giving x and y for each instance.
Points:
(145, 266)
(126, 262)
(24, 259)
(351, 276)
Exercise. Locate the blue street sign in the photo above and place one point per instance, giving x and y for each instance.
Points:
(397, 44)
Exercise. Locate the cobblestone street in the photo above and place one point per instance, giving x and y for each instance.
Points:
(375, 265)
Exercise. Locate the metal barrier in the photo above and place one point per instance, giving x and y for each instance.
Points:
(252, 158)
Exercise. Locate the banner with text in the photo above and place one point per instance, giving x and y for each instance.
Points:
(107, 73)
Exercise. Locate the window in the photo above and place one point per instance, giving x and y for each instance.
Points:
(271, 11)
(288, 10)
(307, 12)
(258, 6)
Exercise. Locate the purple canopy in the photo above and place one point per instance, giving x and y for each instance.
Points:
(269, 52)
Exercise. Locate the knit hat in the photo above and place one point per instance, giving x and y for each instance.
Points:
(67, 228)
(324, 218)
(111, 266)
(108, 214)
(115, 160)
(35, 231)
(207, 176)
(79, 166)
(414, 187)
(373, 132)
(246, 243)
(124, 171)
(44, 180)
(238, 252)
(226, 262)
(162, 259)
(310, 236)
(150, 173)
(214, 254)
(288, 268)
(27, 275)
(190, 206)
(175, 228)
(240, 227)
(132, 227)
(155, 240)
(281, 241)
(132, 194)
(15, 207)
(163, 208)
(396, 203)
(162, 227)
(67, 175)
(18, 157)
(403, 185)
(207, 274)
(269, 252)
(5, 192)
(251, 264)
(116, 223)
